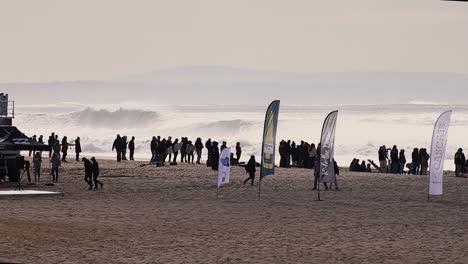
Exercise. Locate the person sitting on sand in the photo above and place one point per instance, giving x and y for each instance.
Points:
(96, 173)
(250, 168)
(88, 166)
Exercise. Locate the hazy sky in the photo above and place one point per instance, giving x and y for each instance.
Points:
(99, 39)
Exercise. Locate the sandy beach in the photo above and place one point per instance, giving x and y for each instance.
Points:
(171, 215)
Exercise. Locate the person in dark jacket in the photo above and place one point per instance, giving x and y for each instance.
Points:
(118, 147)
(415, 162)
(208, 146)
(223, 146)
(161, 153)
(77, 148)
(402, 160)
(51, 143)
(96, 174)
(424, 158)
(88, 166)
(250, 168)
(238, 151)
(459, 162)
(215, 156)
(183, 150)
(124, 147)
(395, 161)
(169, 151)
(198, 149)
(131, 147)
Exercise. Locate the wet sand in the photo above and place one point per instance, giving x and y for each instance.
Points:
(171, 215)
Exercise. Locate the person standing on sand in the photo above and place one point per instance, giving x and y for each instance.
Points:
(124, 147)
(77, 148)
(208, 147)
(383, 159)
(337, 173)
(424, 161)
(51, 143)
(415, 161)
(56, 148)
(161, 151)
(131, 147)
(154, 149)
(395, 161)
(55, 160)
(250, 168)
(459, 162)
(238, 151)
(96, 174)
(65, 146)
(189, 151)
(215, 156)
(317, 170)
(169, 150)
(198, 149)
(118, 147)
(402, 160)
(37, 160)
(88, 167)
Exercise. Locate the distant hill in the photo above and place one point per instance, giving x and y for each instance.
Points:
(224, 85)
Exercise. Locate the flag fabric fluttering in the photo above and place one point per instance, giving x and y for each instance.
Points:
(224, 168)
(269, 140)
(437, 155)
(327, 148)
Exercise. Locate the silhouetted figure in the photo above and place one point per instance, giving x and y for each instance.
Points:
(189, 151)
(459, 162)
(175, 148)
(238, 151)
(88, 167)
(77, 148)
(37, 160)
(208, 147)
(312, 156)
(415, 160)
(162, 152)
(198, 149)
(250, 168)
(169, 148)
(383, 156)
(65, 146)
(55, 160)
(95, 166)
(395, 169)
(183, 150)
(424, 157)
(27, 166)
(223, 146)
(33, 139)
(154, 147)
(215, 156)
(337, 173)
(124, 147)
(317, 170)
(51, 143)
(118, 147)
(131, 148)
(402, 160)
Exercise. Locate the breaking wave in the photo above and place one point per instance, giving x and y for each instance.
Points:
(121, 118)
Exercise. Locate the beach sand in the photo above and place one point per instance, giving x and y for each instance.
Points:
(171, 215)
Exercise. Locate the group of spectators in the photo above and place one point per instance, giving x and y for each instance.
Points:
(397, 162)
(292, 155)
(121, 145)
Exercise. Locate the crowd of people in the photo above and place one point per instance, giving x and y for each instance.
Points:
(301, 156)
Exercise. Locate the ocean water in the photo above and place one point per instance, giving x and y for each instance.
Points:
(361, 129)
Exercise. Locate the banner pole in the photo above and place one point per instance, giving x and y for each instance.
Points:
(259, 189)
(217, 193)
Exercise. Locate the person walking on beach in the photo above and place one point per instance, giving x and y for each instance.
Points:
(402, 160)
(208, 146)
(88, 167)
(198, 149)
(215, 156)
(37, 160)
(55, 160)
(96, 174)
(460, 161)
(250, 168)
(131, 148)
(118, 147)
(77, 148)
(238, 151)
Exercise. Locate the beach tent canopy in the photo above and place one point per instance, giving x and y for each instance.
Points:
(13, 139)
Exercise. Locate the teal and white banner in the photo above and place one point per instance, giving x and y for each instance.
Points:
(269, 140)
